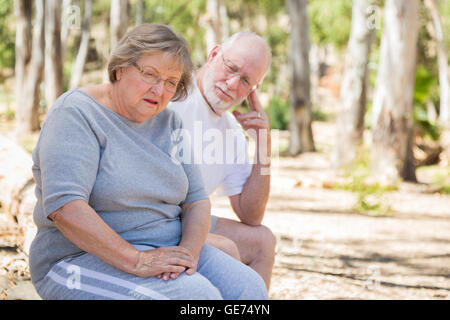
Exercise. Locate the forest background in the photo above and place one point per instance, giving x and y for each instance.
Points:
(362, 85)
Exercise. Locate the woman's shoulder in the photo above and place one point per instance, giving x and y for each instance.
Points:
(170, 116)
(74, 98)
(73, 105)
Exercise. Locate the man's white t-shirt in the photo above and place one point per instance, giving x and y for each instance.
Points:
(218, 144)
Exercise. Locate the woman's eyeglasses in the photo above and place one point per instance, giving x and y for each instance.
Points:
(150, 76)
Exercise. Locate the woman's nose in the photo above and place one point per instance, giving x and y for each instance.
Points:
(157, 88)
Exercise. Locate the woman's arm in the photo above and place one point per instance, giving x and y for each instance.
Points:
(83, 226)
(195, 223)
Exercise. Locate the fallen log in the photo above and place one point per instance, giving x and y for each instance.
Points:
(17, 189)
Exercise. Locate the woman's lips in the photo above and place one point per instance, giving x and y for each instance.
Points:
(151, 102)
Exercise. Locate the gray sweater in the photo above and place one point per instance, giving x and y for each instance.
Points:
(121, 168)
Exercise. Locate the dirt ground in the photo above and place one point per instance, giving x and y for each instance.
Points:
(325, 249)
(328, 251)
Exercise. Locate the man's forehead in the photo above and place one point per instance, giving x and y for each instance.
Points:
(249, 53)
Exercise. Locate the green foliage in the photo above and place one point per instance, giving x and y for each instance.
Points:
(425, 81)
(425, 84)
(369, 194)
(184, 17)
(278, 113)
(330, 21)
(9, 114)
(318, 115)
(7, 34)
(437, 176)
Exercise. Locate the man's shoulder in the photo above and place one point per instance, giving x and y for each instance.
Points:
(186, 104)
(230, 122)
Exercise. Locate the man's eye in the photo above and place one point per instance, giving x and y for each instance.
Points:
(148, 74)
(231, 69)
(245, 82)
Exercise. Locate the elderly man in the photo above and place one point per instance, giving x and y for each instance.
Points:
(232, 73)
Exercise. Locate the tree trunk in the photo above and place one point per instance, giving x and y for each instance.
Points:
(301, 138)
(53, 52)
(444, 68)
(69, 21)
(80, 60)
(17, 185)
(393, 100)
(23, 14)
(119, 21)
(353, 94)
(215, 31)
(27, 118)
(139, 11)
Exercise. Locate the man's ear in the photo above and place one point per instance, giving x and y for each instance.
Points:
(214, 52)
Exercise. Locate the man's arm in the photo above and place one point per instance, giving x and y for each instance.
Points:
(250, 204)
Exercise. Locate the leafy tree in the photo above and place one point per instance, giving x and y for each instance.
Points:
(330, 21)
(7, 35)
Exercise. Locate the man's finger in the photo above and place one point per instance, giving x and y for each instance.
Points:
(236, 114)
(251, 115)
(254, 123)
(253, 102)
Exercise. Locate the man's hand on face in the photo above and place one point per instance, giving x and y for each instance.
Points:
(255, 119)
(256, 123)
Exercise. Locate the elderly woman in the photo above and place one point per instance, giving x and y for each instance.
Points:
(116, 217)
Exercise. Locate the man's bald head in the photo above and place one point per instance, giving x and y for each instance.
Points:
(250, 42)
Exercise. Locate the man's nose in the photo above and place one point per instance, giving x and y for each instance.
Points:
(233, 82)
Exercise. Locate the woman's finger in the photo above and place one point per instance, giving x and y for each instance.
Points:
(177, 261)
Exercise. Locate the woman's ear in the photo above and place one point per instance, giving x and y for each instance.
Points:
(118, 74)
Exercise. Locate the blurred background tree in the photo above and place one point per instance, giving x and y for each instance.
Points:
(7, 38)
(88, 29)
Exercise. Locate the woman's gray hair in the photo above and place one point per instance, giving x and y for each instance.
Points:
(148, 39)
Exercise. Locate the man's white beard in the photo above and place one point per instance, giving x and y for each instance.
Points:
(219, 106)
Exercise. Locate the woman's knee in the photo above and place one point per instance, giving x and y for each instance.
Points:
(197, 287)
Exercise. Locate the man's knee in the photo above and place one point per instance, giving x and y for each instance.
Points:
(225, 244)
(266, 240)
